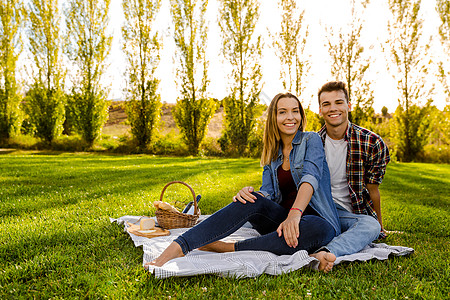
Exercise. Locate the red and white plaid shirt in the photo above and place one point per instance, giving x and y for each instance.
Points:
(367, 158)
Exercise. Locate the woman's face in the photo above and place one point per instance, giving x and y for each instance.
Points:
(288, 116)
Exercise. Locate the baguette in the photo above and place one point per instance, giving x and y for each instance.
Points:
(164, 206)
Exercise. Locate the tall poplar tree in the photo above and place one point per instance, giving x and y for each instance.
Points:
(88, 46)
(443, 9)
(350, 64)
(194, 108)
(409, 56)
(242, 49)
(289, 45)
(45, 99)
(10, 45)
(141, 46)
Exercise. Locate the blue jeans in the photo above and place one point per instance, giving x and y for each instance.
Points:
(265, 216)
(357, 232)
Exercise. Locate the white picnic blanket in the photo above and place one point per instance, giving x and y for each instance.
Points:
(243, 263)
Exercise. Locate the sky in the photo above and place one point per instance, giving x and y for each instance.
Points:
(336, 15)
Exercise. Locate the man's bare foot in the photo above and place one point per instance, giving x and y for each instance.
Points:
(171, 252)
(218, 246)
(326, 260)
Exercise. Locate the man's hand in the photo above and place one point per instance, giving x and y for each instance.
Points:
(290, 228)
(244, 195)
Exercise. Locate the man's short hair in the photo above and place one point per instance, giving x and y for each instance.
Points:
(333, 86)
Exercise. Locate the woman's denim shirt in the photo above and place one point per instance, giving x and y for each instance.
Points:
(308, 164)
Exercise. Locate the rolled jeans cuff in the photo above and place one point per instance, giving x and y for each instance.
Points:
(183, 244)
(324, 248)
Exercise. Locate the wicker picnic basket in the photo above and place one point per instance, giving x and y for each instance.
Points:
(169, 219)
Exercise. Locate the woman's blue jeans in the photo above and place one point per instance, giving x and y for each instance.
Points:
(265, 216)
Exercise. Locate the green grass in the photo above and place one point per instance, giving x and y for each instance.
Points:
(56, 240)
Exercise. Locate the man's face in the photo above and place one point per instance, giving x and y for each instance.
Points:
(334, 108)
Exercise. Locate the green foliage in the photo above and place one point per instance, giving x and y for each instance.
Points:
(45, 108)
(210, 147)
(194, 108)
(66, 247)
(10, 46)
(289, 46)
(242, 49)
(412, 130)
(89, 111)
(45, 99)
(314, 122)
(143, 115)
(192, 117)
(141, 47)
(88, 46)
(409, 57)
(170, 144)
(255, 141)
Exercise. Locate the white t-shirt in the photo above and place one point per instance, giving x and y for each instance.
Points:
(336, 153)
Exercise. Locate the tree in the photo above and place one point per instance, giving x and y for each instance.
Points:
(409, 57)
(10, 45)
(141, 47)
(45, 99)
(384, 112)
(88, 46)
(416, 124)
(443, 9)
(350, 64)
(242, 49)
(289, 46)
(194, 108)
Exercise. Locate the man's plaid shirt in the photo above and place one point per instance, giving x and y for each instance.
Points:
(367, 157)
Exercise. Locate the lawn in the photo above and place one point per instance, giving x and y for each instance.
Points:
(56, 240)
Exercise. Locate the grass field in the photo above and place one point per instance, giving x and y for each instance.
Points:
(56, 240)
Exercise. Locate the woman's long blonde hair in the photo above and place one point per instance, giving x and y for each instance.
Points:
(272, 137)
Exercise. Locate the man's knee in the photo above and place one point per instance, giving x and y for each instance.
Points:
(371, 225)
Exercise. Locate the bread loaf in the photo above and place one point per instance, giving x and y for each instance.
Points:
(147, 224)
(167, 206)
(164, 206)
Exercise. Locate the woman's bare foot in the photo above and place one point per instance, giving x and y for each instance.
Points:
(218, 246)
(326, 260)
(171, 252)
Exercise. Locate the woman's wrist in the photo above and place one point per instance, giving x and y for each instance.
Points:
(296, 209)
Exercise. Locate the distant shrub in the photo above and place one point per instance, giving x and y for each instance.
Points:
(435, 154)
(255, 142)
(170, 144)
(21, 141)
(210, 147)
(69, 143)
(108, 142)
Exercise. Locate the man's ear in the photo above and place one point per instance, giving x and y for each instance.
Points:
(349, 106)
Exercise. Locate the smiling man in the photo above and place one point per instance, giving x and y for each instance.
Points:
(357, 160)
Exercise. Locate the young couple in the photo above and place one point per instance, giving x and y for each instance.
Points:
(319, 192)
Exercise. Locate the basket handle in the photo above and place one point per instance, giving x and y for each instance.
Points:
(192, 190)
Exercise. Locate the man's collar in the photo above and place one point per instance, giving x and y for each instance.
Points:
(323, 131)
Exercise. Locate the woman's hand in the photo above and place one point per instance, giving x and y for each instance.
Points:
(244, 195)
(290, 228)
